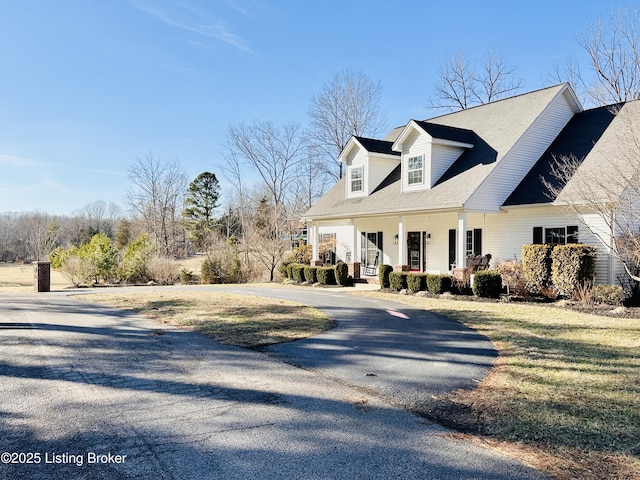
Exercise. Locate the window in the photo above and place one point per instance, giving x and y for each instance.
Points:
(469, 243)
(414, 167)
(357, 173)
(370, 247)
(555, 235)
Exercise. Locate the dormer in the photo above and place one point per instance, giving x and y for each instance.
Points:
(428, 150)
(368, 162)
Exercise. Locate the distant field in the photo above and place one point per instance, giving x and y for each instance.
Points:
(18, 278)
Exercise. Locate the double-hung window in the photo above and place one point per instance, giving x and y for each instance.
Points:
(357, 174)
(414, 169)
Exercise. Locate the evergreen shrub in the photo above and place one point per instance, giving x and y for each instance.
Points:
(572, 265)
(342, 273)
(438, 284)
(487, 284)
(536, 267)
(383, 275)
(608, 294)
(310, 273)
(416, 282)
(326, 275)
(398, 281)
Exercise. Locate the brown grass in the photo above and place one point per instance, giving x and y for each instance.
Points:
(241, 320)
(564, 395)
(18, 278)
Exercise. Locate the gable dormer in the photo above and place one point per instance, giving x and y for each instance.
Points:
(368, 162)
(427, 151)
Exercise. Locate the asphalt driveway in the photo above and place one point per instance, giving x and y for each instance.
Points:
(91, 392)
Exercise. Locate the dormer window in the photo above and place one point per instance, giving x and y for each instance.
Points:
(357, 174)
(414, 169)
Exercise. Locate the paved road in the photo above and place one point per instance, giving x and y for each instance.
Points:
(97, 393)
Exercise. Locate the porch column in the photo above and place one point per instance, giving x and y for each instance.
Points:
(401, 241)
(313, 237)
(462, 241)
(355, 249)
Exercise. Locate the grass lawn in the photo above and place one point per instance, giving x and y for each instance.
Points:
(19, 278)
(565, 393)
(241, 320)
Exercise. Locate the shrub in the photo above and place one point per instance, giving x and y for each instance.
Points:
(536, 267)
(289, 271)
(608, 294)
(186, 276)
(342, 273)
(326, 275)
(438, 284)
(298, 272)
(487, 283)
(416, 282)
(133, 267)
(162, 270)
(383, 275)
(311, 274)
(398, 281)
(512, 276)
(208, 272)
(572, 265)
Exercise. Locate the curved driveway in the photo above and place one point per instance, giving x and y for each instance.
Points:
(101, 393)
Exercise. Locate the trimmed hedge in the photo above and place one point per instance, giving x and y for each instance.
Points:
(326, 275)
(342, 273)
(398, 281)
(416, 282)
(383, 275)
(310, 273)
(572, 266)
(536, 266)
(487, 283)
(438, 284)
(298, 273)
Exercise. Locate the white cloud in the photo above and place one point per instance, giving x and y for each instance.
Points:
(189, 19)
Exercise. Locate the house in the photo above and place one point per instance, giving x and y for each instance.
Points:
(471, 182)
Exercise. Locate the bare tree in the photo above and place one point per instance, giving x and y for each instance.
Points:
(462, 84)
(271, 152)
(614, 55)
(39, 234)
(157, 198)
(347, 105)
(603, 192)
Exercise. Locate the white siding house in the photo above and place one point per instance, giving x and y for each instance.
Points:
(474, 181)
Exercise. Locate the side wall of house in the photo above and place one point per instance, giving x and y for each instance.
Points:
(442, 157)
(379, 168)
(414, 145)
(512, 168)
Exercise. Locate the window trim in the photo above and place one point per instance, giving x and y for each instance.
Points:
(419, 170)
(569, 235)
(359, 179)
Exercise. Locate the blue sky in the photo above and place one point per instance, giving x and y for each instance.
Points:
(88, 86)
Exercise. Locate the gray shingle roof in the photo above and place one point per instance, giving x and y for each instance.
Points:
(495, 128)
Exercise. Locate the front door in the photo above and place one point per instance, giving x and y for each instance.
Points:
(417, 251)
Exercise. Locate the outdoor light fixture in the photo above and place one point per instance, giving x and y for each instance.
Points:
(395, 239)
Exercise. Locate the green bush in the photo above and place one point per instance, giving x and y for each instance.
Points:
(326, 275)
(298, 273)
(416, 282)
(186, 276)
(133, 267)
(608, 294)
(536, 267)
(383, 275)
(572, 265)
(438, 284)
(310, 273)
(342, 273)
(207, 272)
(487, 284)
(398, 281)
